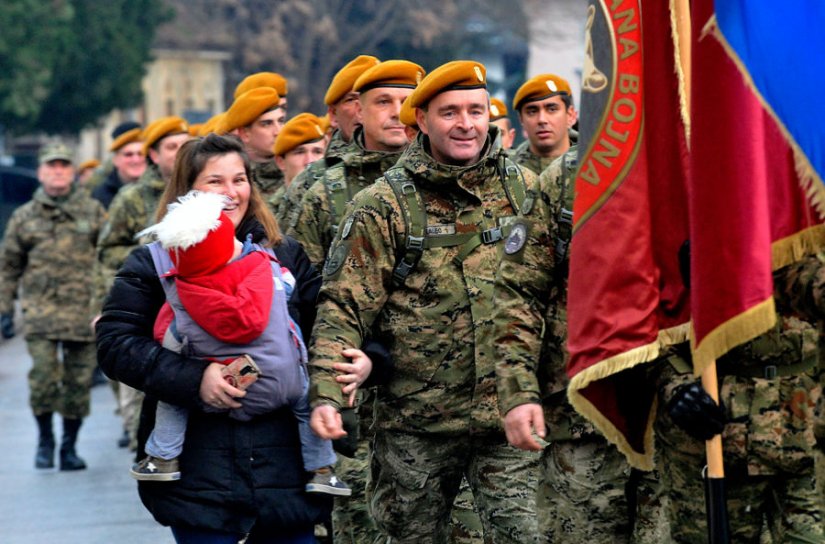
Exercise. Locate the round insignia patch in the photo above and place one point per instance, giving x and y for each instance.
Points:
(515, 241)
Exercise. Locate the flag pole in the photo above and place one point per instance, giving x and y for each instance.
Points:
(715, 502)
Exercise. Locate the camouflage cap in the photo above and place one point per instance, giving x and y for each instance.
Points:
(55, 151)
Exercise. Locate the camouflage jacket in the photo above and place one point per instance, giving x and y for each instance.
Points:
(276, 200)
(289, 207)
(48, 250)
(321, 209)
(132, 210)
(773, 422)
(267, 177)
(523, 156)
(436, 325)
(531, 308)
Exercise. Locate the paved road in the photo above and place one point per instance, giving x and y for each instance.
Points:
(99, 505)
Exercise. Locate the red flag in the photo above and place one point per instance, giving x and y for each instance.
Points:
(626, 297)
(749, 214)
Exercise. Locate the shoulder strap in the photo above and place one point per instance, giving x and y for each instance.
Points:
(414, 215)
(339, 194)
(515, 187)
(564, 219)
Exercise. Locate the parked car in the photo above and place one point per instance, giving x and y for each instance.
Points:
(17, 185)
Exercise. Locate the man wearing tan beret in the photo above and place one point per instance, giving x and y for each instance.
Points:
(344, 113)
(546, 113)
(413, 263)
(301, 142)
(498, 117)
(378, 144)
(256, 117)
(265, 79)
(128, 162)
(132, 210)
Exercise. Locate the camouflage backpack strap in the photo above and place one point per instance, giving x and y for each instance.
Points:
(564, 219)
(521, 200)
(414, 215)
(515, 186)
(417, 235)
(338, 194)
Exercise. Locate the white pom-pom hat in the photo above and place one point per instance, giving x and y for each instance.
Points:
(200, 238)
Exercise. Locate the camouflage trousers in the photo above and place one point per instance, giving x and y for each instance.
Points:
(351, 520)
(789, 502)
(588, 493)
(414, 480)
(353, 524)
(61, 376)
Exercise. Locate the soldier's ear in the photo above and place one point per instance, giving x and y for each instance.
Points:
(421, 120)
(572, 115)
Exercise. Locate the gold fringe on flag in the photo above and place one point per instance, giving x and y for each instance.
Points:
(680, 33)
(737, 330)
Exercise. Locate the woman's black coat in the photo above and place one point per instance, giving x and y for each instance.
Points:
(234, 474)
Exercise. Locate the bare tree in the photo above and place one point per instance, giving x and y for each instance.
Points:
(309, 40)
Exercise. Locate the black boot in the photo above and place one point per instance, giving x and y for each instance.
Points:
(44, 458)
(68, 458)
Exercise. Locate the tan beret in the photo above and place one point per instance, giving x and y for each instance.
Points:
(163, 127)
(407, 114)
(497, 109)
(127, 137)
(90, 164)
(345, 78)
(455, 75)
(325, 124)
(390, 73)
(211, 124)
(299, 130)
(262, 79)
(195, 129)
(540, 87)
(248, 107)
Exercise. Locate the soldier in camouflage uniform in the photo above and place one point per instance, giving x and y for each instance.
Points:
(586, 490)
(265, 79)
(771, 417)
(547, 123)
(48, 250)
(498, 117)
(344, 112)
(256, 117)
(414, 262)
(301, 142)
(127, 163)
(132, 210)
(379, 143)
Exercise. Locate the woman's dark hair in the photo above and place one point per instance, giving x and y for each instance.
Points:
(190, 162)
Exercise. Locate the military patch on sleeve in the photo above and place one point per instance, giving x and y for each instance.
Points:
(335, 259)
(516, 239)
(347, 227)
